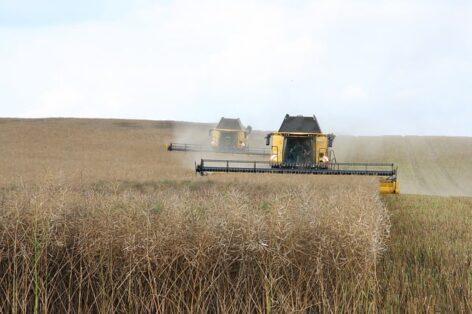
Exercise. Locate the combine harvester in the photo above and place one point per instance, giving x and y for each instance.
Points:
(299, 147)
(229, 136)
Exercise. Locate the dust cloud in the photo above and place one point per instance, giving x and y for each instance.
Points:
(199, 134)
(430, 165)
(191, 134)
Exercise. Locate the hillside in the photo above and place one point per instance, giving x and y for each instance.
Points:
(133, 150)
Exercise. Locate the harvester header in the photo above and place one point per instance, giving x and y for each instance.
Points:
(300, 147)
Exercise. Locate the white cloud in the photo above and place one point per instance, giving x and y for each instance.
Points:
(363, 61)
(352, 93)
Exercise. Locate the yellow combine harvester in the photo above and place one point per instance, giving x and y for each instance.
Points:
(300, 147)
(229, 136)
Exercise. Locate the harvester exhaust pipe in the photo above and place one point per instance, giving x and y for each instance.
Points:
(267, 140)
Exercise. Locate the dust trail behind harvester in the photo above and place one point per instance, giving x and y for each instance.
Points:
(199, 134)
(429, 165)
(190, 134)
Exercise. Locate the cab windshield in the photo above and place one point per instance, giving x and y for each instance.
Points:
(298, 150)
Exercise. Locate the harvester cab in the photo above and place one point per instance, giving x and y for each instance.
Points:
(300, 147)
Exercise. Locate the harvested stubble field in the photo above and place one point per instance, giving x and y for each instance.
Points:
(97, 216)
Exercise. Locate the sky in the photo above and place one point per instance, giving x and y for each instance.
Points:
(363, 67)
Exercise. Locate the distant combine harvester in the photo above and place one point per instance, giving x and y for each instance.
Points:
(229, 136)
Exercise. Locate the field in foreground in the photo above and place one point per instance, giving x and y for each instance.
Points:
(226, 244)
(96, 215)
(428, 264)
(234, 244)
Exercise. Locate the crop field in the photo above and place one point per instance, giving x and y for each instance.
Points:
(95, 215)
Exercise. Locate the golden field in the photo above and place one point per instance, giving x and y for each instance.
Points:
(134, 150)
(97, 216)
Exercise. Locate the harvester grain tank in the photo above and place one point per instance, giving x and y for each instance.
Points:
(300, 147)
(229, 136)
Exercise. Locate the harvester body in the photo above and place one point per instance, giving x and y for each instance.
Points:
(290, 149)
(300, 142)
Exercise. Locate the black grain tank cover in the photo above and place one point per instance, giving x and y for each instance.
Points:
(300, 124)
(230, 124)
